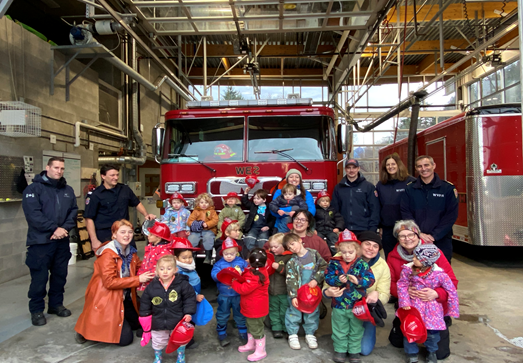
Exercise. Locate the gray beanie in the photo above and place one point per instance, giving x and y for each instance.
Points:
(293, 171)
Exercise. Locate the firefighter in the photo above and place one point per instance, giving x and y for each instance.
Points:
(108, 203)
(433, 204)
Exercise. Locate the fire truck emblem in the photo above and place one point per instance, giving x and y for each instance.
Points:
(223, 151)
(493, 168)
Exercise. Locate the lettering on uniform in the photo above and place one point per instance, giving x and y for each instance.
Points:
(247, 170)
(438, 195)
(27, 195)
(358, 190)
(401, 189)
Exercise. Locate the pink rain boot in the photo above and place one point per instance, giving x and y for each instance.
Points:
(260, 351)
(250, 346)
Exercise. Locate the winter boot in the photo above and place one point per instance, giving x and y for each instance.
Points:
(250, 346)
(224, 340)
(243, 337)
(209, 255)
(431, 358)
(260, 350)
(354, 358)
(158, 356)
(181, 354)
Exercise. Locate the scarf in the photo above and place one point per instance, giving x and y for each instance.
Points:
(126, 256)
(261, 210)
(404, 254)
(186, 266)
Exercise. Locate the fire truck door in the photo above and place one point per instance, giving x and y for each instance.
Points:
(437, 149)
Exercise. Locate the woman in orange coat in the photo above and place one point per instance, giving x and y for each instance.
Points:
(110, 310)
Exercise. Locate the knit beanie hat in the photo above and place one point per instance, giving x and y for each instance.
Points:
(427, 254)
(293, 171)
(371, 236)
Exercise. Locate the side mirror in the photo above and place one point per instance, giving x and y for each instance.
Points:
(344, 138)
(157, 142)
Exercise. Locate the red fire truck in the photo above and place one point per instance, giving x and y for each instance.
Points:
(480, 152)
(213, 145)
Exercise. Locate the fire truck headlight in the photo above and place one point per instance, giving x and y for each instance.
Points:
(319, 185)
(188, 187)
(172, 187)
(307, 185)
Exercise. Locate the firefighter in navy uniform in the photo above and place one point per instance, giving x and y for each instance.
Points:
(433, 204)
(50, 210)
(108, 203)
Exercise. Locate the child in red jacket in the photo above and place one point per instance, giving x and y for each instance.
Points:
(254, 303)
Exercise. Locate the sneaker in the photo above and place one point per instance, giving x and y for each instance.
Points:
(354, 358)
(431, 358)
(412, 358)
(59, 311)
(79, 338)
(224, 340)
(278, 334)
(293, 342)
(311, 341)
(38, 319)
(339, 357)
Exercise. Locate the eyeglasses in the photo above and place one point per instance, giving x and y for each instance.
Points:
(407, 236)
(300, 220)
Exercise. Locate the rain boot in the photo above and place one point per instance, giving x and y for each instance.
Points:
(260, 350)
(209, 255)
(181, 354)
(250, 346)
(158, 356)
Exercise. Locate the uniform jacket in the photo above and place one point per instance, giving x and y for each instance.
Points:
(309, 201)
(234, 213)
(395, 263)
(277, 281)
(432, 312)
(353, 292)
(358, 204)
(103, 314)
(151, 255)
(168, 306)
(176, 220)
(254, 297)
(294, 273)
(238, 263)
(389, 196)
(328, 219)
(48, 207)
(209, 216)
(270, 219)
(435, 210)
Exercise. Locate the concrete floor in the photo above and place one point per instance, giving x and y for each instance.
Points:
(489, 329)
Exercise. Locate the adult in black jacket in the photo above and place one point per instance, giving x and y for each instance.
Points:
(329, 223)
(392, 185)
(260, 222)
(356, 200)
(50, 210)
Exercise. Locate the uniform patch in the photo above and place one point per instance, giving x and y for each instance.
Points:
(256, 218)
(173, 296)
(87, 201)
(456, 193)
(330, 213)
(156, 301)
(208, 213)
(237, 268)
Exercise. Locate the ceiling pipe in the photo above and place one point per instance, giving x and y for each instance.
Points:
(97, 129)
(121, 160)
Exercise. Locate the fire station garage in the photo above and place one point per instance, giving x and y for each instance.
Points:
(398, 122)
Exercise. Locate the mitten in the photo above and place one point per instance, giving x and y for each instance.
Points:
(146, 325)
(378, 312)
(196, 226)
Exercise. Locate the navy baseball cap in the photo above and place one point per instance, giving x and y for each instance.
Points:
(353, 162)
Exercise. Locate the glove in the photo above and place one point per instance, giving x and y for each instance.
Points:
(146, 325)
(378, 312)
(196, 226)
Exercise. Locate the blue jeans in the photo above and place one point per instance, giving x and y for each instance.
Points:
(431, 343)
(208, 239)
(225, 305)
(255, 237)
(294, 319)
(369, 339)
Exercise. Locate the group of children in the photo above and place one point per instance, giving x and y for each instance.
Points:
(173, 295)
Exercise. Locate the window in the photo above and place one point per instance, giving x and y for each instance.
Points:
(501, 86)
(109, 105)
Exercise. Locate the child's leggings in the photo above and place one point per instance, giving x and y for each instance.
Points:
(278, 305)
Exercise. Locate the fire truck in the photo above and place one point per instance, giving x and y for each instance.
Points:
(214, 145)
(480, 152)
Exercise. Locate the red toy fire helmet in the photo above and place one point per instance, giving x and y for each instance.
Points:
(225, 224)
(183, 243)
(227, 275)
(412, 325)
(308, 298)
(269, 262)
(230, 243)
(361, 311)
(347, 235)
(161, 230)
(177, 196)
(232, 195)
(321, 194)
(251, 180)
(181, 335)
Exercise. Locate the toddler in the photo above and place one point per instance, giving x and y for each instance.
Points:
(260, 221)
(203, 223)
(348, 270)
(278, 303)
(159, 244)
(288, 198)
(227, 298)
(176, 216)
(254, 303)
(165, 302)
(306, 266)
(230, 229)
(328, 222)
(419, 274)
(232, 210)
(183, 251)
